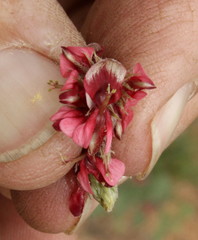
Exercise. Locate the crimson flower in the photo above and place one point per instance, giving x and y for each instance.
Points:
(98, 97)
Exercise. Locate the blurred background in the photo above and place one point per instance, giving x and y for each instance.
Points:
(163, 207)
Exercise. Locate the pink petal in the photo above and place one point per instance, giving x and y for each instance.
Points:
(83, 177)
(66, 67)
(79, 56)
(139, 95)
(133, 101)
(77, 201)
(81, 52)
(89, 101)
(83, 133)
(100, 75)
(71, 81)
(127, 114)
(69, 97)
(98, 137)
(140, 80)
(69, 124)
(60, 113)
(91, 168)
(109, 134)
(56, 125)
(116, 170)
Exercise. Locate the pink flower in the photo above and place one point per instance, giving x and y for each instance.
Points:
(72, 81)
(103, 86)
(75, 58)
(125, 111)
(140, 80)
(82, 185)
(75, 124)
(98, 97)
(103, 82)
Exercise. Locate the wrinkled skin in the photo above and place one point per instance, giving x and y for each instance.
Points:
(161, 35)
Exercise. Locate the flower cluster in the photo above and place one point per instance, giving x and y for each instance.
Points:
(98, 96)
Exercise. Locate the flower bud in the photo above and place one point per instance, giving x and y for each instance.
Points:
(106, 196)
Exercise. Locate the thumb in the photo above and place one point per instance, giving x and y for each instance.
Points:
(30, 39)
(162, 36)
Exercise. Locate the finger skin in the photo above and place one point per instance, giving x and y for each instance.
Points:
(39, 25)
(43, 27)
(13, 227)
(47, 210)
(162, 36)
(41, 167)
(135, 32)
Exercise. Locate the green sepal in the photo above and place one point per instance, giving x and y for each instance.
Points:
(106, 196)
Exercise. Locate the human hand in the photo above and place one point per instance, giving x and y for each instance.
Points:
(162, 36)
(135, 32)
(30, 39)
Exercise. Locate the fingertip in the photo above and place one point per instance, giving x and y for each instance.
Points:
(47, 209)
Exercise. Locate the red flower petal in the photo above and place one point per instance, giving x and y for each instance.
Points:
(127, 113)
(60, 113)
(116, 170)
(104, 73)
(81, 52)
(138, 95)
(83, 133)
(83, 177)
(56, 125)
(69, 97)
(140, 80)
(77, 201)
(89, 102)
(109, 134)
(98, 135)
(66, 67)
(69, 124)
(71, 81)
(79, 56)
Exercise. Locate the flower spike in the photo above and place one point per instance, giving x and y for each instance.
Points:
(97, 97)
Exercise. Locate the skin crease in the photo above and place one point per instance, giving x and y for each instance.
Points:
(167, 49)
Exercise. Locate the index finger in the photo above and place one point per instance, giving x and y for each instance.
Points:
(162, 36)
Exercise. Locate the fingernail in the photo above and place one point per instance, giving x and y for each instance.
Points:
(165, 122)
(90, 205)
(25, 103)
